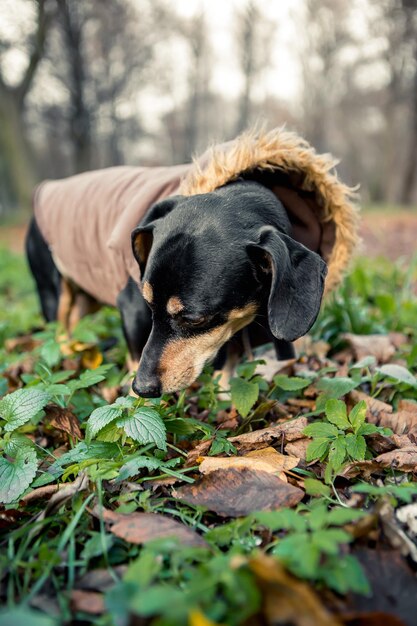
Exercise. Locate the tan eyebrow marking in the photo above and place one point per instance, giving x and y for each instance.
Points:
(174, 305)
(147, 292)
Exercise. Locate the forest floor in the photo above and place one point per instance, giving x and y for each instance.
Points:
(293, 499)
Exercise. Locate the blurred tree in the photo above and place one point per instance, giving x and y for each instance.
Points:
(17, 166)
(254, 38)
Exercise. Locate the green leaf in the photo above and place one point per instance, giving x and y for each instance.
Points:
(90, 377)
(345, 574)
(357, 416)
(337, 386)
(340, 516)
(317, 449)
(51, 352)
(355, 446)
(399, 373)
(329, 539)
(132, 467)
(321, 429)
(294, 383)
(101, 417)
(367, 429)
(244, 395)
(337, 453)
(145, 425)
(16, 475)
(16, 442)
(19, 407)
(286, 519)
(318, 516)
(336, 413)
(299, 554)
(315, 487)
(84, 451)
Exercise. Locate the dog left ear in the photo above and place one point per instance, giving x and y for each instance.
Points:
(297, 282)
(142, 235)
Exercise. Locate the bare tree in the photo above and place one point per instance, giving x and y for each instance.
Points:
(17, 168)
(254, 36)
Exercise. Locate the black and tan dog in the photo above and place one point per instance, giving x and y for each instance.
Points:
(225, 257)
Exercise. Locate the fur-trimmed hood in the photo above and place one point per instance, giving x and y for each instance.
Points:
(319, 205)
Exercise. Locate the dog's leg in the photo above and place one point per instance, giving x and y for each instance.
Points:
(83, 304)
(66, 303)
(284, 350)
(44, 270)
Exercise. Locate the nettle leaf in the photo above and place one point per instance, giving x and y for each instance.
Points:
(84, 451)
(132, 467)
(19, 407)
(51, 352)
(90, 377)
(356, 446)
(244, 395)
(321, 429)
(399, 373)
(337, 386)
(295, 383)
(101, 417)
(336, 413)
(16, 475)
(145, 425)
(317, 449)
(337, 453)
(357, 416)
(16, 442)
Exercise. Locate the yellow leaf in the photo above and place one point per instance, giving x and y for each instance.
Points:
(266, 460)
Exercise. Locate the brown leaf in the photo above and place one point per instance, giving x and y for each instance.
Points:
(25, 343)
(239, 491)
(100, 579)
(39, 493)
(403, 459)
(266, 459)
(287, 600)
(289, 431)
(144, 527)
(256, 440)
(87, 602)
(374, 407)
(298, 448)
(382, 347)
(63, 419)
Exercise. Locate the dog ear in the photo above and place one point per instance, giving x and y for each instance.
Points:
(297, 282)
(142, 235)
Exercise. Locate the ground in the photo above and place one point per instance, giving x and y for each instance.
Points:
(291, 500)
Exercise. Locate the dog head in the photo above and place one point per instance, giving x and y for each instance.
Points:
(209, 263)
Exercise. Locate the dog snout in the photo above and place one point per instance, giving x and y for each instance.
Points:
(147, 389)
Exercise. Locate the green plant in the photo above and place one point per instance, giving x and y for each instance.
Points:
(341, 438)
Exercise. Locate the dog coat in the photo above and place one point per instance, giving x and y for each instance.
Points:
(87, 219)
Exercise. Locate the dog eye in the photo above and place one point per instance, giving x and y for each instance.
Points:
(194, 321)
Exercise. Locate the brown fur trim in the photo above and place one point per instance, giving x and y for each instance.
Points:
(307, 171)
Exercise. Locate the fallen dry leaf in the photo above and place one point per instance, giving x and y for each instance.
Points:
(403, 459)
(266, 459)
(89, 602)
(306, 345)
(256, 440)
(63, 419)
(25, 343)
(100, 579)
(298, 448)
(91, 358)
(382, 347)
(239, 491)
(286, 600)
(144, 527)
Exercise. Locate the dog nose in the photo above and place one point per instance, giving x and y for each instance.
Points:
(146, 390)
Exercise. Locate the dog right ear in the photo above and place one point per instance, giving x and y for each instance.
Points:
(142, 235)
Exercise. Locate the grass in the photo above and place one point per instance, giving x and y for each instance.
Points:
(79, 454)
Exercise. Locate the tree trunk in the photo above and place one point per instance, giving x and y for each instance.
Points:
(410, 174)
(17, 169)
